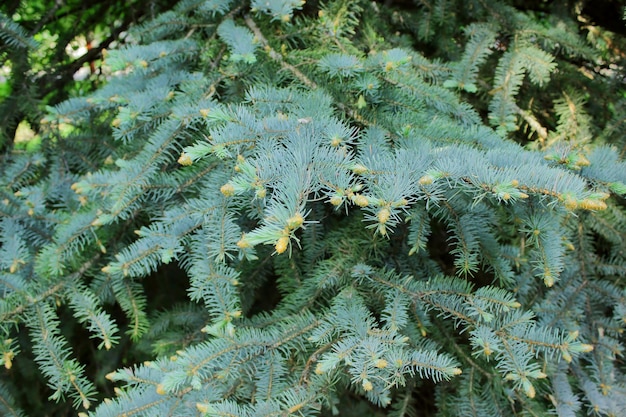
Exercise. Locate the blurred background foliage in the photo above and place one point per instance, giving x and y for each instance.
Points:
(59, 53)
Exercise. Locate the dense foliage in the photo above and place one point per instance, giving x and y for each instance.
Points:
(51, 49)
(344, 207)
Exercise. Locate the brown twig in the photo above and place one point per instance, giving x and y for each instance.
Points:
(276, 56)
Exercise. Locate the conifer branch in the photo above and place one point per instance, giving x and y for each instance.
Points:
(534, 124)
(55, 289)
(276, 56)
(351, 225)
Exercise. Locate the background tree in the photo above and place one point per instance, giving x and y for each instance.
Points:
(45, 44)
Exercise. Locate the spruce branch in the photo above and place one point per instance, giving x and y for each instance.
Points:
(63, 283)
(534, 124)
(276, 56)
(336, 232)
